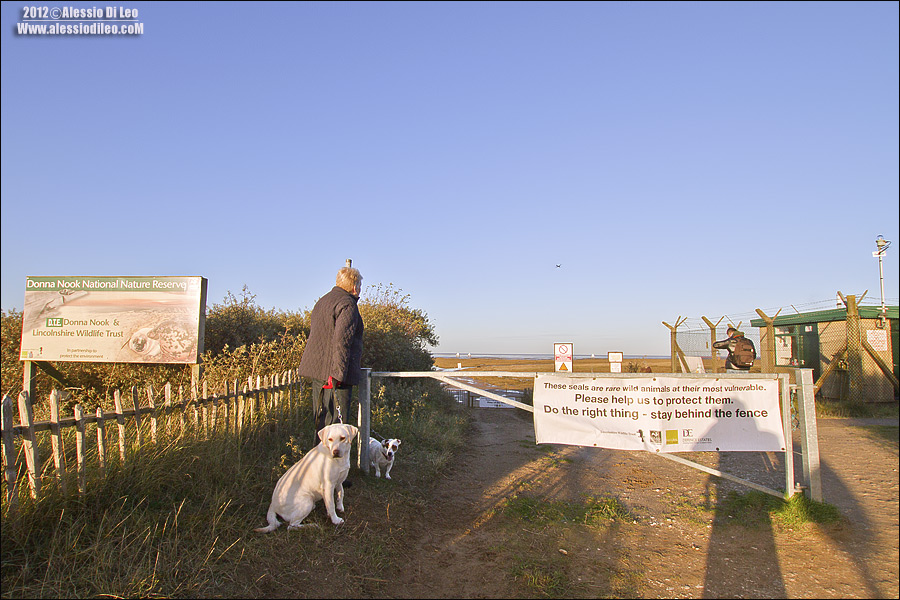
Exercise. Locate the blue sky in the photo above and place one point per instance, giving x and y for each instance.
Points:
(676, 159)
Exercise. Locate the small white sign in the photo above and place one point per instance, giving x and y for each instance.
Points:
(878, 339)
(562, 354)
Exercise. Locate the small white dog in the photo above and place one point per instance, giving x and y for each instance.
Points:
(381, 455)
(319, 475)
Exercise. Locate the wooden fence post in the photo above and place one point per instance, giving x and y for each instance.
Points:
(120, 420)
(254, 398)
(769, 358)
(56, 440)
(79, 446)
(195, 410)
(101, 440)
(136, 400)
(152, 403)
(167, 408)
(29, 444)
(242, 400)
(9, 452)
(712, 339)
(205, 408)
(182, 408)
(677, 354)
(273, 396)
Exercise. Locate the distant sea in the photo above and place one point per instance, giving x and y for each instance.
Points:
(535, 356)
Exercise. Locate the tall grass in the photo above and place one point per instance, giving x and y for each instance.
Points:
(176, 520)
(155, 526)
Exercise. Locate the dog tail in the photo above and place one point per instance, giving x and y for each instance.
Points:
(274, 523)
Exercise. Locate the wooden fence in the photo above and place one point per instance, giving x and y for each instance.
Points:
(171, 415)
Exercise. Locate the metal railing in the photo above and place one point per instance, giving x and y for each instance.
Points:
(803, 389)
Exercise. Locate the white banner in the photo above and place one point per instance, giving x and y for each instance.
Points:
(659, 414)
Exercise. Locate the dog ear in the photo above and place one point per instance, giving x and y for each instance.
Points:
(322, 434)
(352, 431)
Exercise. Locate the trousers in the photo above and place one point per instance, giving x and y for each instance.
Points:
(327, 404)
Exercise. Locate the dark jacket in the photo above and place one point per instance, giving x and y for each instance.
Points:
(334, 347)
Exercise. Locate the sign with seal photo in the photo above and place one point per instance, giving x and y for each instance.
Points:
(157, 320)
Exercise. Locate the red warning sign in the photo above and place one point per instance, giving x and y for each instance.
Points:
(562, 354)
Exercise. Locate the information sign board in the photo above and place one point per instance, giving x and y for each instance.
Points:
(114, 319)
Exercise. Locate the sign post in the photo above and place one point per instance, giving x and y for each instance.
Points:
(615, 361)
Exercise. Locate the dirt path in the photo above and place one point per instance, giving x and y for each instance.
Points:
(675, 545)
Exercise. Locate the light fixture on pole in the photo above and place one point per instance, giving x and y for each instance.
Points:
(882, 245)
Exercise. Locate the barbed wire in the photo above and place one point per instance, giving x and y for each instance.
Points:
(743, 318)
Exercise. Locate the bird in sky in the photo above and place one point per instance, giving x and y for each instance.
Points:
(558, 266)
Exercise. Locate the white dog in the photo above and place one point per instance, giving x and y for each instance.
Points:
(381, 455)
(319, 475)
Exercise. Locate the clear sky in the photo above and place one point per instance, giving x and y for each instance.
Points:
(675, 159)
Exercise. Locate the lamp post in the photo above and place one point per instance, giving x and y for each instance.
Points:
(882, 245)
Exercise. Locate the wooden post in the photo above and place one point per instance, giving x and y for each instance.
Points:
(79, 446)
(9, 452)
(29, 444)
(205, 417)
(167, 408)
(214, 414)
(239, 415)
(196, 411)
(136, 400)
(152, 403)
(713, 354)
(181, 409)
(120, 420)
(854, 354)
(101, 440)
(28, 373)
(885, 368)
(56, 440)
(769, 357)
(673, 342)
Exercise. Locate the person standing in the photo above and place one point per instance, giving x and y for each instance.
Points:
(741, 351)
(331, 358)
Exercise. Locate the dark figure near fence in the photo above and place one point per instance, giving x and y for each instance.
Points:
(741, 351)
(333, 351)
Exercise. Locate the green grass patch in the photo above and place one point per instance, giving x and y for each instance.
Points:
(592, 511)
(541, 577)
(757, 509)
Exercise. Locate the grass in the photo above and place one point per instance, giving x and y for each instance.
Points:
(176, 520)
(540, 511)
(756, 509)
(540, 561)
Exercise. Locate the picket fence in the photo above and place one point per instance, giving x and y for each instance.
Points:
(201, 415)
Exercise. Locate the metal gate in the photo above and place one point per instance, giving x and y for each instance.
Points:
(801, 392)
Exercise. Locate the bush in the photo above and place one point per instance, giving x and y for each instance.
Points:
(242, 340)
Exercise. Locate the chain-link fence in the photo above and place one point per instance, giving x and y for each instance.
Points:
(851, 346)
